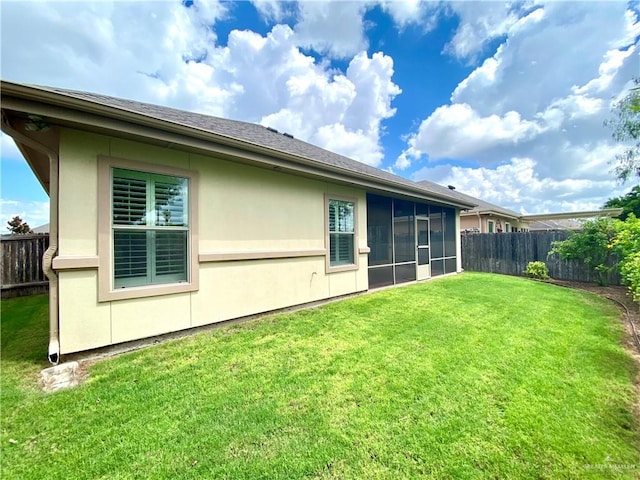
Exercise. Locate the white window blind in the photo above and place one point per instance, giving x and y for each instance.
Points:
(341, 233)
(150, 228)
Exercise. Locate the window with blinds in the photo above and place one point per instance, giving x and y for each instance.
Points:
(341, 233)
(150, 228)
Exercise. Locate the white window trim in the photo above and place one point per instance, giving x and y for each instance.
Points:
(327, 241)
(106, 290)
(493, 224)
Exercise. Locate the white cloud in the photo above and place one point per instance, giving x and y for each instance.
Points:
(456, 131)
(353, 144)
(343, 19)
(266, 79)
(529, 119)
(410, 12)
(272, 10)
(34, 213)
(342, 113)
(517, 185)
(613, 61)
(481, 22)
(570, 45)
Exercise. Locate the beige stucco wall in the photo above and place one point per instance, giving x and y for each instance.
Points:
(241, 209)
(470, 222)
(473, 221)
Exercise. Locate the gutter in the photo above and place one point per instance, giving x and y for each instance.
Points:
(47, 258)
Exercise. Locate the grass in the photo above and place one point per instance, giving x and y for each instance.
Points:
(472, 376)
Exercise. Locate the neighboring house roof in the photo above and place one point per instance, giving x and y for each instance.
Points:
(41, 229)
(481, 207)
(561, 224)
(604, 212)
(214, 130)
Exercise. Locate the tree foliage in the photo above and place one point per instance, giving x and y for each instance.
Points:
(605, 244)
(630, 203)
(627, 245)
(593, 245)
(17, 226)
(626, 129)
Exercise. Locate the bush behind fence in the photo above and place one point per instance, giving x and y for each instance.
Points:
(509, 253)
(21, 257)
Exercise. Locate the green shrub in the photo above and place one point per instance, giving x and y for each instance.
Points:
(537, 270)
(630, 271)
(593, 246)
(627, 244)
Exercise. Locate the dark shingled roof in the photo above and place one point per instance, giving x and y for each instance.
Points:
(257, 135)
(481, 205)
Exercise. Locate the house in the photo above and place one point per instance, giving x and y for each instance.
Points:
(486, 217)
(567, 220)
(163, 220)
(555, 225)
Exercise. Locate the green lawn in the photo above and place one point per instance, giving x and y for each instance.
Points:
(471, 376)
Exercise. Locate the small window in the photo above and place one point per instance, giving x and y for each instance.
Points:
(341, 233)
(507, 227)
(490, 225)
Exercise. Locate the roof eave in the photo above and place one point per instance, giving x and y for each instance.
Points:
(66, 102)
(493, 212)
(605, 212)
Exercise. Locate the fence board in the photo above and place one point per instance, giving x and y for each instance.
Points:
(509, 253)
(21, 272)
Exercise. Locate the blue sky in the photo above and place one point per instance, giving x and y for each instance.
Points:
(506, 101)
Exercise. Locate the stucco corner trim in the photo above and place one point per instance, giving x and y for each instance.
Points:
(76, 263)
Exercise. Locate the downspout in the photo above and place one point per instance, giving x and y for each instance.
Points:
(47, 258)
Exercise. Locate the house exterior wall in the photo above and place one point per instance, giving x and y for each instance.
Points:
(470, 222)
(248, 219)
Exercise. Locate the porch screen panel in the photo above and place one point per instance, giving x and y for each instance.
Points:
(404, 231)
(437, 267)
(379, 236)
(450, 265)
(380, 276)
(405, 273)
(435, 223)
(449, 234)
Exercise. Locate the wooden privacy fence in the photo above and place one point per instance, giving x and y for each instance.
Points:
(509, 253)
(21, 257)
